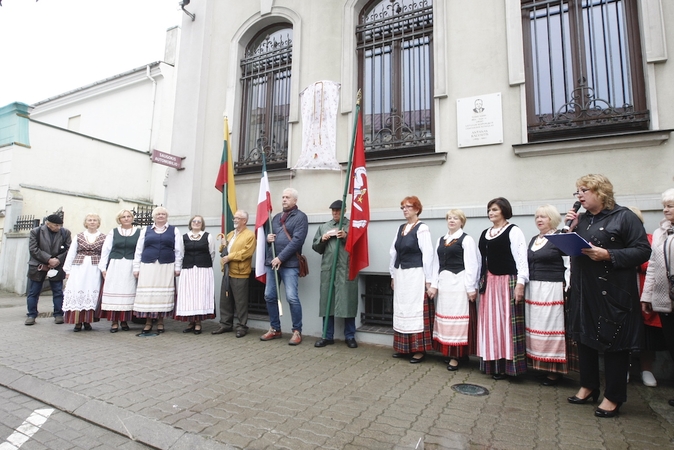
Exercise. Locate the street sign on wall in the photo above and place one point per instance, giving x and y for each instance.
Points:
(167, 159)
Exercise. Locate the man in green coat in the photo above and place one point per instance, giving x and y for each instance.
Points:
(345, 297)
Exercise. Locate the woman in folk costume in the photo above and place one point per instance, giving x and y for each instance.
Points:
(196, 289)
(457, 262)
(80, 297)
(500, 326)
(156, 263)
(411, 275)
(544, 305)
(116, 266)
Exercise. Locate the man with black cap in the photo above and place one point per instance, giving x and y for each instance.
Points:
(327, 241)
(48, 246)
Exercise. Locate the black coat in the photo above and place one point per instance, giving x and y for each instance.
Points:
(604, 308)
(44, 245)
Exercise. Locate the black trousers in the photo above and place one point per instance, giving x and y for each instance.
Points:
(667, 320)
(616, 366)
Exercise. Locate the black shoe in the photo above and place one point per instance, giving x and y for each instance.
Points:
(222, 330)
(197, 331)
(241, 333)
(416, 360)
(324, 342)
(114, 329)
(160, 330)
(147, 330)
(581, 401)
(452, 368)
(400, 355)
(351, 343)
(77, 328)
(189, 329)
(125, 326)
(499, 376)
(87, 326)
(604, 414)
(551, 381)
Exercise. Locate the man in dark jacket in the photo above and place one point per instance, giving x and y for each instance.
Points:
(289, 230)
(48, 246)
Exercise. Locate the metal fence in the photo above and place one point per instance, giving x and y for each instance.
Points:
(26, 223)
(142, 215)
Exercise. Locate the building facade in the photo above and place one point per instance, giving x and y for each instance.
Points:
(462, 101)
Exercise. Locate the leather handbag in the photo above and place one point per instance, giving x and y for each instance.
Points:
(301, 259)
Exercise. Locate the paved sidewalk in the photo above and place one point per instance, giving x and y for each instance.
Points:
(181, 391)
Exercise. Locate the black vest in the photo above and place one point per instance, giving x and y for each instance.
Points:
(451, 257)
(123, 247)
(197, 253)
(408, 253)
(546, 263)
(497, 254)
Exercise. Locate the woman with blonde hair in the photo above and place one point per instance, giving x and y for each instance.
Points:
(456, 261)
(196, 290)
(116, 266)
(544, 300)
(656, 294)
(80, 297)
(157, 261)
(604, 312)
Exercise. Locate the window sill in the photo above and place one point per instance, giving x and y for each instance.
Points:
(589, 144)
(404, 162)
(274, 175)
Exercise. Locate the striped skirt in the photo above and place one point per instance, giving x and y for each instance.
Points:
(417, 342)
(500, 328)
(119, 290)
(196, 295)
(155, 295)
(545, 333)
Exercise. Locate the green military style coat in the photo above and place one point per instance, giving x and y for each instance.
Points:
(345, 298)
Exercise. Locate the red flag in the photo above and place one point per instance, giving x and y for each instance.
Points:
(261, 218)
(356, 242)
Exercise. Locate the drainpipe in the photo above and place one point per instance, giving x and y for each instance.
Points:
(154, 94)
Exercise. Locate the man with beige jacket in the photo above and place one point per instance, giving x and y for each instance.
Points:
(240, 249)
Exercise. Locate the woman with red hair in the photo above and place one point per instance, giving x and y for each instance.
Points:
(411, 275)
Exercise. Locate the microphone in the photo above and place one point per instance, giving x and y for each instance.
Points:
(567, 225)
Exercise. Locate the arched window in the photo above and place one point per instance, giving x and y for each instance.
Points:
(395, 39)
(265, 79)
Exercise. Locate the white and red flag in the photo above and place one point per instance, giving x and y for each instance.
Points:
(356, 241)
(261, 218)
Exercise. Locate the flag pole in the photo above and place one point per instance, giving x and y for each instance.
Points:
(273, 255)
(333, 271)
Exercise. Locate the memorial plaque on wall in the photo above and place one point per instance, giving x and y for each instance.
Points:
(479, 120)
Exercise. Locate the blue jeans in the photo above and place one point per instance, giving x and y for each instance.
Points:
(289, 276)
(349, 327)
(34, 289)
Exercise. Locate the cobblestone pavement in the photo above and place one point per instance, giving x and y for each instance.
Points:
(180, 390)
(60, 431)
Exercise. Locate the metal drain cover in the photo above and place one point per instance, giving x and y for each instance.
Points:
(470, 389)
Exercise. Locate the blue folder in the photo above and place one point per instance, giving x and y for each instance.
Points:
(570, 244)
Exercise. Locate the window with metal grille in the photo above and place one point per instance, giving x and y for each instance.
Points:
(584, 73)
(395, 39)
(265, 79)
(378, 301)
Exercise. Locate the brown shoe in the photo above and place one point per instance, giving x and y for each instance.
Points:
(271, 334)
(296, 339)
